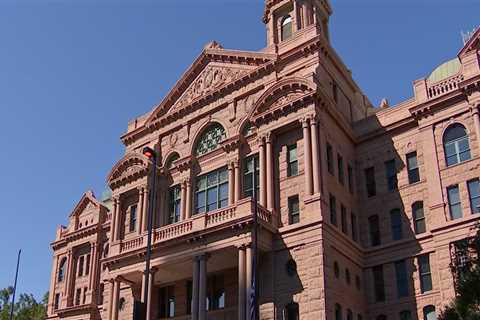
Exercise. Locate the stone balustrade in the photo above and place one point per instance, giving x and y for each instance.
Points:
(444, 86)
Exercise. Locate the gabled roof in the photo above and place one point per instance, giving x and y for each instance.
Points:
(87, 198)
(472, 44)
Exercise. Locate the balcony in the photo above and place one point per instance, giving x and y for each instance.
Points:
(200, 225)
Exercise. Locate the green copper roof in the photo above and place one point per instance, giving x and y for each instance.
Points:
(445, 70)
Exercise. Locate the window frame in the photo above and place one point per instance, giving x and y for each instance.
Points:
(474, 199)
(425, 275)
(418, 221)
(333, 210)
(378, 283)
(413, 172)
(247, 172)
(292, 164)
(374, 233)
(343, 219)
(396, 224)
(455, 143)
(391, 175)
(329, 154)
(174, 204)
(370, 182)
(401, 277)
(133, 218)
(286, 21)
(219, 202)
(453, 205)
(340, 168)
(293, 216)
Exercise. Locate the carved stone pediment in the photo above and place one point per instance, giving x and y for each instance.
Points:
(133, 166)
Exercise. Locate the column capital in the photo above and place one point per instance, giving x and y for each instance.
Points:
(474, 106)
(141, 189)
(305, 121)
(203, 256)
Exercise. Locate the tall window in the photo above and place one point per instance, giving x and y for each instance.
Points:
(429, 313)
(286, 28)
(292, 312)
(454, 202)
(333, 210)
(424, 272)
(78, 294)
(174, 196)
(474, 194)
(248, 172)
(87, 265)
(378, 283)
(349, 314)
(412, 167)
(215, 292)
(418, 218)
(210, 139)
(338, 312)
(330, 159)
(166, 302)
(292, 161)
(61, 270)
(56, 304)
(81, 262)
(405, 315)
(455, 144)
(353, 219)
(391, 174)
(370, 181)
(293, 210)
(350, 178)
(396, 224)
(343, 212)
(341, 177)
(133, 218)
(402, 278)
(212, 191)
(374, 226)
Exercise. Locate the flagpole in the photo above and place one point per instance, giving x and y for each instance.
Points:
(15, 285)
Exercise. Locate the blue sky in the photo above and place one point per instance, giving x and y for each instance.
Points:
(73, 73)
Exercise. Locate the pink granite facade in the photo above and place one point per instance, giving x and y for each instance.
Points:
(359, 207)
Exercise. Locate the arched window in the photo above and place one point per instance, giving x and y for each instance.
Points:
(455, 144)
(338, 312)
(418, 217)
(247, 129)
(429, 313)
(61, 270)
(210, 139)
(286, 27)
(291, 311)
(174, 157)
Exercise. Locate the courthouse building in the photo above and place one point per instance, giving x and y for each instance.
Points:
(361, 208)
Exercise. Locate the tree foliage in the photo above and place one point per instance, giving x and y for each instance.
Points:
(26, 306)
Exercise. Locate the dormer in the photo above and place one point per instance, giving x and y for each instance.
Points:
(285, 18)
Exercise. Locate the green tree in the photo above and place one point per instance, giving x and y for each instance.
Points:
(26, 307)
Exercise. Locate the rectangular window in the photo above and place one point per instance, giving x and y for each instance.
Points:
(133, 218)
(396, 224)
(418, 217)
(293, 209)
(211, 191)
(189, 296)
(343, 211)
(78, 293)
(350, 178)
(402, 278)
(341, 177)
(81, 262)
(166, 302)
(370, 182)
(174, 204)
(454, 202)
(56, 304)
(333, 210)
(330, 159)
(215, 292)
(84, 299)
(374, 226)
(353, 219)
(378, 283)
(391, 174)
(292, 160)
(87, 265)
(412, 167)
(406, 315)
(248, 172)
(424, 272)
(474, 194)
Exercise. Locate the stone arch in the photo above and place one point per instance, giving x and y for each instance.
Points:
(131, 165)
(171, 156)
(202, 130)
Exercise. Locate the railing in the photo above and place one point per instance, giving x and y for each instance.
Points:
(444, 86)
(172, 231)
(131, 244)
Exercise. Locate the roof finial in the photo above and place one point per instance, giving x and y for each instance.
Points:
(213, 45)
(467, 35)
(384, 103)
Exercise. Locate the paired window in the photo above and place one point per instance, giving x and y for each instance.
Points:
(174, 204)
(378, 283)
(370, 182)
(81, 262)
(210, 139)
(341, 177)
(248, 172)
(286, 28)
(292, 160)
(454, 203)
(343, 212)
(396, 224)
(292, 311)
(412, 167)
(333, 210)
(133, 218)
(391, 174)
(374, 226)
(293, 210)
(166, 302)
(418, 215)
(474, 194)
(62, 270)
(211, 191)
(424, 272)
(353, 220)
(330, 159)
(456, 145)
(402, 278)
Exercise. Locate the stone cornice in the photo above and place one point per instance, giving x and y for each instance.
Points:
(232, 144)
(82, 233)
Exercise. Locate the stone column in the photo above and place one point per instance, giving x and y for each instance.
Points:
(112, 297)
(140, 210)
(146, 196)
(248, 276)
(142, 294)
(183, 207)
(118, 222)
(307, 156)
(231, 184)
(53, 280)
(188, 200)
(113, 221)
(238, 180)
(151, 281)
(317, 176)
(476, 122)
(70, 276)
(202, 290)
(93, 251)
(242, 295)
(263, 176)
(269, 160)
(116, 298)
(195, 288)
